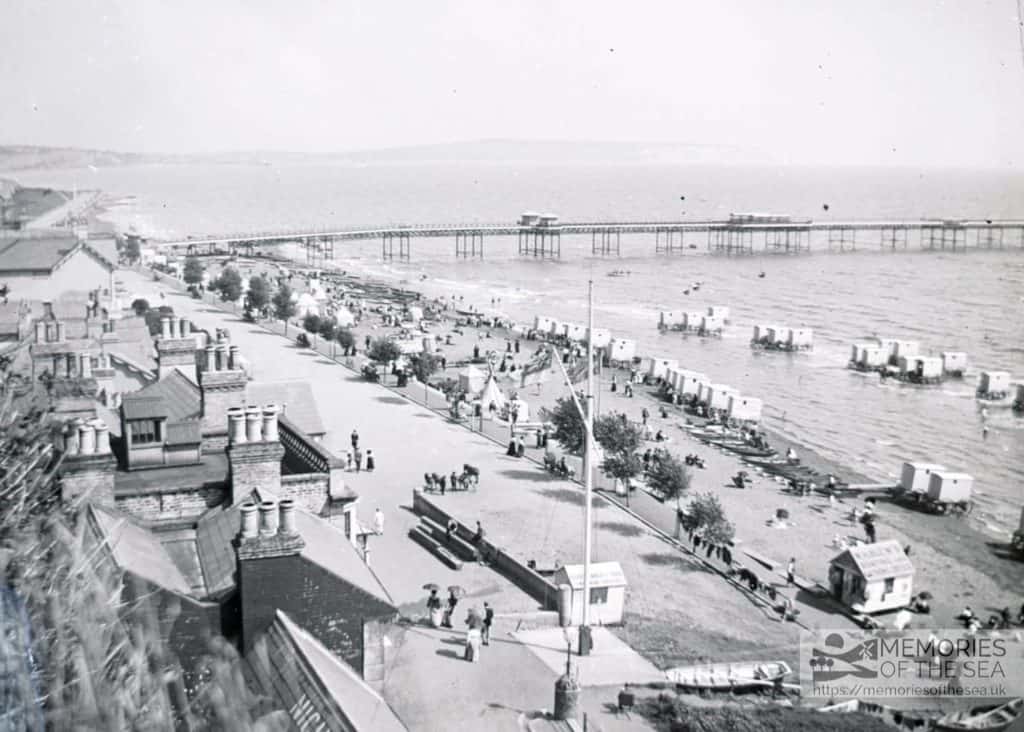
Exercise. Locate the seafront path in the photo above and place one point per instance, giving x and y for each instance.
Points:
(680, 608)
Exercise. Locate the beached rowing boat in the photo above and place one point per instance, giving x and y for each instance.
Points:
(729, 676)
(989, 719)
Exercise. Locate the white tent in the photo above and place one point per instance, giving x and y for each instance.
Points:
(472, 380)
(492, 393)
(344, 317)
(306, 304)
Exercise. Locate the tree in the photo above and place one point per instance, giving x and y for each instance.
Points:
(229, 284)
(705, 514)
(140, 305)
(194, 270)
(311, 322)
(568, 422)
(284, 306)
(616, 434)
(383, 350)
(669, 476)
(424, 365)
(131, 249)
(345, 339)
(328, 329)
(611, 431)
(622, 466)
(259, 293)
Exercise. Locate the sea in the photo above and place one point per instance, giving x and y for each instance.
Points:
(963, 301)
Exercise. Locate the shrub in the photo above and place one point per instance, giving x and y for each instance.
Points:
(193, 272)
(669, 476)
(140, 305)
(284, 307)
(258, 297)
(345, 339)
(229, 284)
(383, 350)
(311, 322)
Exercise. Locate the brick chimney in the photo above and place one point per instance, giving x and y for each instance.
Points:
(87, 470)
(222, 384)
(255, 451)
(176, 347)
(268, 548)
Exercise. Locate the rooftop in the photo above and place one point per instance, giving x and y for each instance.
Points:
(295, 399)
(138, 550)
(175, 397)
(40, 254)
(213, 470)
(877, 561)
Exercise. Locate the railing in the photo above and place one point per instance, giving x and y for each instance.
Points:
(312, 454)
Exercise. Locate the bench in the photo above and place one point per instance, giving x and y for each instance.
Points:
(424, 539)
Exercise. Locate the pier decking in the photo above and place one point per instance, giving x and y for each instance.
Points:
(732, 236)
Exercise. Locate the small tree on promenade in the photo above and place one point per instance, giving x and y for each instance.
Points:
(424, 365)
(230, 285)
(346, 340)
(622, 466)
(705, 514)
(384, 351)
(669, 476)
(131, 250)
(311, 322)
(328, 329)
(613, 433)
(258, 297)
(284, 306)
(194, 271)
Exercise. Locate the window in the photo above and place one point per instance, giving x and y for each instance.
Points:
(598, 595)
(144, 431)
(890, 585)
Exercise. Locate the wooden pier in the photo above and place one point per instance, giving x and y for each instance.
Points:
(741, 234)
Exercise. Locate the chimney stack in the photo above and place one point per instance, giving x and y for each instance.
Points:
(255, 461)
(88, 466)
(222, 388)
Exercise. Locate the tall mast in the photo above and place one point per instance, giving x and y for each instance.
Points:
(588, 466)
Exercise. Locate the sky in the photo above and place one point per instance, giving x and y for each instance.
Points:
(874, 82)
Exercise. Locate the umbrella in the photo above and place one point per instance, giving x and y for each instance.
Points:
(457, 591)
(925, 595)
(432, 586)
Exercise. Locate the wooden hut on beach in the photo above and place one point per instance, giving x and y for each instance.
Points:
(872, 578)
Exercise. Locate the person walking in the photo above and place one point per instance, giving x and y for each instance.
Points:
(348, 460)
(370, 462)
(357, 456)
(791, 571)
(449, 610)
(378, 522)
(517, 345)
(434, 608)
(615, 384)
(441, 480)
(355, 439)
(488, 621)
(454, 479)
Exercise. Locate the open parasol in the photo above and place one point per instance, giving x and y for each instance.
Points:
(432, 587)
(925, 595)
(457, 591)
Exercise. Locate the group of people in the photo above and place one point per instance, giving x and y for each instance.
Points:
(516, 447)
(441, 483)
(354, 457)
(694, 460)
(627, 390)
(478, 624)
(1001, 621)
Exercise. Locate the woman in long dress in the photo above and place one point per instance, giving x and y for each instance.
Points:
(474, 636)
(434, 606)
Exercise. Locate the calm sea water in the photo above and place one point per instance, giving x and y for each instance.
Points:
(972, 302)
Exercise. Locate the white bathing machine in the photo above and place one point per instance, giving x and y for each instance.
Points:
(717, 311)
(873, 357)
(692, 320)
(760, 335)
(778, 335)
(575, 331)
(1018, 400)
(601, 337)
(744, 408)
(542, 324)
(994, 385)
(927, 369)
(947, 489)
(954, 363)
(801, 339)
(659, 367)
(712, 324)
(671, 319)
(621, 350)
(903, 349)
(704, 392)
(557, 328)
(857, 350)
(690, 382)
(719, 395)
(915, 477)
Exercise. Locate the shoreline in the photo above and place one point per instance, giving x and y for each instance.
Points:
(975, 543)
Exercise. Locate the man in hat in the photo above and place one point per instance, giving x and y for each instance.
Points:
(488, 621)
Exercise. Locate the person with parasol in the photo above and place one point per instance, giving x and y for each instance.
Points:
(433, 604)
(454, 593)
(474, 635)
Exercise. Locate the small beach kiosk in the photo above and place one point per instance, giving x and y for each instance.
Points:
(872, 578)
(472, 380)
(607, 592)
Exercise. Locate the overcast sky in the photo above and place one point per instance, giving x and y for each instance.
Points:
(850, 81)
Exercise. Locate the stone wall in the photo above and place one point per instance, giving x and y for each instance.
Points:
(255, 466)
(536, 585)
(308, 490)
(88, 475)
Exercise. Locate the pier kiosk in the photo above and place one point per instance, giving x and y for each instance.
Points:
(607, 592)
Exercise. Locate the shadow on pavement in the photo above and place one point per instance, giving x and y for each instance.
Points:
(575, 497)
(447, 653)
(391, 400)
(621, 528)
(260, 331)
(534, 475)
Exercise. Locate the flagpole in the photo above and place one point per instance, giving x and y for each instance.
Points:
(585, 639)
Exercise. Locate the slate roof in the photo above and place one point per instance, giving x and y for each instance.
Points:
(296, 398)
(138, 550)
(212, 471)
(878, 561)
(326, 546)
(35, 254)
(175, 397)
(307, 679)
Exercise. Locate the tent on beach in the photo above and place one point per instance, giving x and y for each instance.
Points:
(492, 393)
(472, 380)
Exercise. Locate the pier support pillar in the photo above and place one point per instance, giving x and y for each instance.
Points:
(469, 244)
(606, 241)
(390, 251)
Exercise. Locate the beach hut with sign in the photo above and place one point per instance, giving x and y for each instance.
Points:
(872, 578)
(693, 320)
(994, 385)
(542, 324)
(575, 332)
(954, 363)
(689, 382)
(745, 408)
(607, 592)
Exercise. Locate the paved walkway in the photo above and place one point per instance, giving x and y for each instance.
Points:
(610, 663)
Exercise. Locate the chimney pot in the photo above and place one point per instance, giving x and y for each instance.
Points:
(211, 358)
(48, 308)
(60, 332)
(287, 516)
(221, 354)
(236, 426)
(71, 438)
(85, 367)
(253, 424)
(268, 518)
(102, 437)
(250, 520)
(165, 327)
(184, 328)
(270, 424)
(233, 362)
(86, 439)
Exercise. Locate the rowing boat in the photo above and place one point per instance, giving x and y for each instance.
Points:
(989, 719)
(729, 676)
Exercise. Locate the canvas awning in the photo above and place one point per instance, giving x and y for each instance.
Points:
(492, 393)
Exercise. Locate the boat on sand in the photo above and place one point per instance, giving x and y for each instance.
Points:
(989, 719)
(729, 676)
